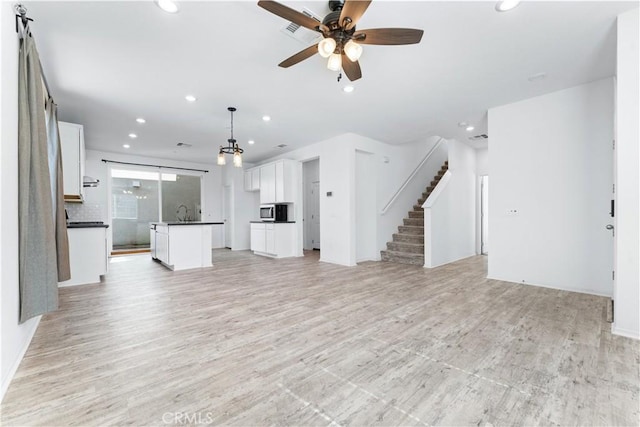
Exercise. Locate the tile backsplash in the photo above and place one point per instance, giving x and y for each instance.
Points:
(84, 211)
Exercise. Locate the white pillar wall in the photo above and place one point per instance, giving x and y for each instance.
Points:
(627, 284)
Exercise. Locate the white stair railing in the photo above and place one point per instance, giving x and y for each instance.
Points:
(410, 177)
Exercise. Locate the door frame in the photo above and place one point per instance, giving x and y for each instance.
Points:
(484, 206)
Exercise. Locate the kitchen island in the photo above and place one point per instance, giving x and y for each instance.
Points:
(182, 245)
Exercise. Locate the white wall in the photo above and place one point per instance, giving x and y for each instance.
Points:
(450, 210)
(627, 294)
(14, 338)
(551, 160)
(366, 203)
(393, 164)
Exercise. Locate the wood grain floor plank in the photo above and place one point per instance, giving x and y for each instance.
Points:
(298, 342)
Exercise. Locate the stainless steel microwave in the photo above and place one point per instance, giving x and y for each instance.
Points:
(273, 212)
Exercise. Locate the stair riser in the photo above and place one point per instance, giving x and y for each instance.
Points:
(409, 238)
(416, 214)
(402, 260)
(406, 248)
(417, 222)
(418, 207)
(411, 230)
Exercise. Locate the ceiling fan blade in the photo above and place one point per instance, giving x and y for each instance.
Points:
(351, 69)
(353, 10)
(300, 56)
(289, 14)
(388, 36)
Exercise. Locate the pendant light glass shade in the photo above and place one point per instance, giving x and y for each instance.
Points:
(335, 62)
(326, 47)
(221, 159)
(237, 159)
(353, 50)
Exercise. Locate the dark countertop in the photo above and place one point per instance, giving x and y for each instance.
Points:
(272, 222)
(80, 224)
(187, 223)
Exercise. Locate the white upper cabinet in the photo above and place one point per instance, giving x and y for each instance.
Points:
(72, 147)
(277, 182)
(252, 179)
(268, 183)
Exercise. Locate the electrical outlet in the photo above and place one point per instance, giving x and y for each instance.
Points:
(512, 212)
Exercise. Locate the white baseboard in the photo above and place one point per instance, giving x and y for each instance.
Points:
(625, 333)
(450, 261)
(16, 363)
(558, 288)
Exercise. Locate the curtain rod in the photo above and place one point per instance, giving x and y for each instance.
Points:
(154, 166)
(21, 16)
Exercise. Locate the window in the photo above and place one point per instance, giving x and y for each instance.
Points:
(125, 206)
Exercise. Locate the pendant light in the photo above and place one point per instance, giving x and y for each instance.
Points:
(231, 148)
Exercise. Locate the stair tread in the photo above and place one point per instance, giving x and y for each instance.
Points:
(403, 254)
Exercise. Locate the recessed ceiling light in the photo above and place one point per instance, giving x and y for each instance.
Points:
(348, 89)
(251, 142)
(463, 124)
(133, 135)
(505, 5)
(266, 118)
(469, 128)
(168, 6)
(126, 145)
(190, 98)
(141, 120)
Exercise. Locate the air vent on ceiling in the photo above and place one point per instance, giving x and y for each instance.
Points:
(302, 34)
(184, 144)
(480, 137)
(281, 146)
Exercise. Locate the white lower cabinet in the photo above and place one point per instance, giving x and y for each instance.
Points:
(162, 244)
(275, 240)
(258, 238)
(183, 246)
(87, 255)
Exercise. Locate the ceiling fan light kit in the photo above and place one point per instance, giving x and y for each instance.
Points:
(335, 62)
(231, 148)
(340, 37)
(326, 47)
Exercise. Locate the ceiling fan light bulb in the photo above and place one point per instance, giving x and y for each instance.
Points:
(221, 159)
(326, 47)
(353, 50)
(335, 62)
(237, 159)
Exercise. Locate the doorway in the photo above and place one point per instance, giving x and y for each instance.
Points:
(141, 195)
(228, 216)
(311, 204)
(484, 215)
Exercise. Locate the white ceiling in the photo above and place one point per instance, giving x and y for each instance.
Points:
(110, 62)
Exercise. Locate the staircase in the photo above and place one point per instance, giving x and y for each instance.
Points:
(407, 246)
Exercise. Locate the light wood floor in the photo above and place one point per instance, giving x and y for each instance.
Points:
(257, 341)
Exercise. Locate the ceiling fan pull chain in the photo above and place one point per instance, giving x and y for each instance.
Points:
(339, 77)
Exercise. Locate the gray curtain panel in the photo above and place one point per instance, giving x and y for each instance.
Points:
(37, 243)
(57, 189)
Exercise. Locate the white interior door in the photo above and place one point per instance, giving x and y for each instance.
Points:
(228, 217)
(314, 215)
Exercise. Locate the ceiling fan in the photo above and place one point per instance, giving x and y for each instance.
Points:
(341, 42)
